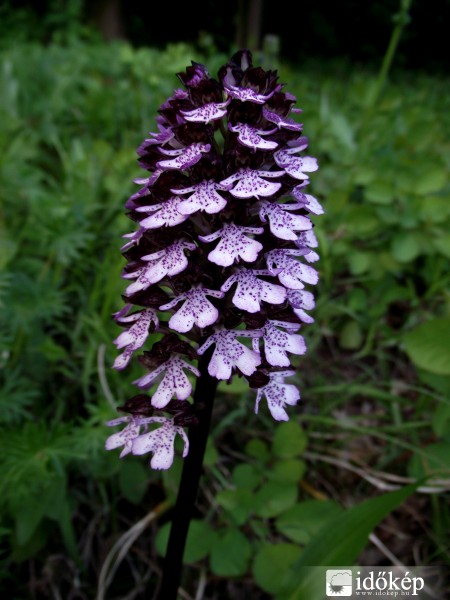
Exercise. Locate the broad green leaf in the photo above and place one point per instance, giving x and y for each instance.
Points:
(133, 480)
(428, 346)
(271, 561)
(198, 543)
(289, 440)
(405, 247)
(238, 503)
(246, 477)
(432, 180)
(230, 554)
(257, 449)
(289, 470)
(339, 542)
(274, 498)
(301, 522)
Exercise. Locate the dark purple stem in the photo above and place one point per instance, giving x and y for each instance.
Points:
(187, 493)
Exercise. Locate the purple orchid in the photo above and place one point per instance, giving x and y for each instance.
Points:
(221, 255)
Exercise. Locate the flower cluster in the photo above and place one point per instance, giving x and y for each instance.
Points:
(222, 251)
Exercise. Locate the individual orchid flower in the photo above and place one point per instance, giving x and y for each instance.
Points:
(125, 437)
(170, 261)
(278, 394)
(278, 343)
(161, 442)
(233, 244)
(292, 273)
(283, 225)
(206, 113)
(183, 157)
(174, 382)
(252, 183)
(251, 290)
(133, 338)
(295, 166)
(164, 214)
(229, 353)
(204, 197)
(300, 301)
(252, 137)
(196, 309)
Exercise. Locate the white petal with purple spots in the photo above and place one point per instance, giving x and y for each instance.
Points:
(230, 353)
(233, 244)
(251, 291)
(184, 157)
(196, 309)
(252, 183)
(278, 394)
(161, 442)
(204, 197)
(175, 381)
(207, 112)
(133, 338)
(170, 261)
(165, 214)
(251, 136)
(283, 225)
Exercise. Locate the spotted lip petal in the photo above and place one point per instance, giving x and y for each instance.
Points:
(183, 158)
(206, 113)
(278, 343)
(251, 291)
(251, 136)
(281, 122)
(174, 382)
(295, 166)
(204, 197)
(170, 261)
(290, 271)
(160, 441)
(283, 225)
(252, 183)
(134, 337)
(278, 394)
(233, 244)
(230, 353)
(166, 214)
(196, 310)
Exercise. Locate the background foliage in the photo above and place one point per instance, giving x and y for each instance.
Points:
(376, 410)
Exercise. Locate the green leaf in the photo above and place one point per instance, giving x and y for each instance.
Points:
(246, 477)
(442, 244)
(441, 420)
(289, 440)
(339, 542)
(270, 562)
(199, 541)
(274, 498)
(230, 554)
(405, 247)
(133, 480)
(238, 503)
(257, 449)
(301, 522)
(428, 346)
(290, 470)
(432, 180)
